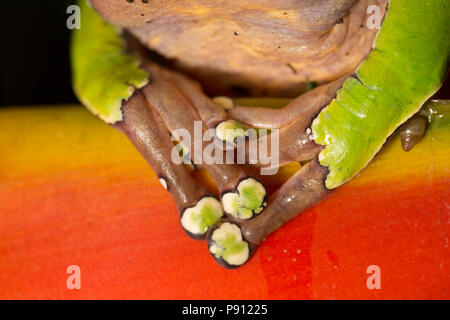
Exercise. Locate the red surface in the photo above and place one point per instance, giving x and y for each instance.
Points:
(109, 215)
(137, 251)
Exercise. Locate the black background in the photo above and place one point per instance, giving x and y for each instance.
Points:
(35, 66)
(276, 309)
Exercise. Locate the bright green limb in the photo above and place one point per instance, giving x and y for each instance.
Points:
(103, 73)
(405, 68)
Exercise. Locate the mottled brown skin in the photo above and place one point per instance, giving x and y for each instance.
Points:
(261, 47)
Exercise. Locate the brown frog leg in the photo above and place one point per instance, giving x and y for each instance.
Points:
(213, 115)
(198, 209)
(231, 244)
(301, 107)
(176, 112)
(295, 143)
(296, 138)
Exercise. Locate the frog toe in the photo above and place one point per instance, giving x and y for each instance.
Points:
(199, 218)
(227, 245)
(248, 199)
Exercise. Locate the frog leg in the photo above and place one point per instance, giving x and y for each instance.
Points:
(212, 114)
(242, 195)
(368, 108)
(198, 209)
(297, 143)
(306, 105)
(231, 244)
(294, 143)
(107, 71)
(295, 119)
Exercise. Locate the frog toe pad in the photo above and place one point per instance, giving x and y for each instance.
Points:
(197, 220)
(227, 245)
(248, 200)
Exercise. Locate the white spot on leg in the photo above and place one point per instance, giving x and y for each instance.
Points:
(163, 182)
(224, 102)
(229, 130)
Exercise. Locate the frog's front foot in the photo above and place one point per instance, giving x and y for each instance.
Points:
(199, 210)
(173, 107)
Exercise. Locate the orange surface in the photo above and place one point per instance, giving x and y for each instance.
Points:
(73, 191)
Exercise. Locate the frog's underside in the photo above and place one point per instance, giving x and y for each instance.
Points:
(259, 47)
(370, 82)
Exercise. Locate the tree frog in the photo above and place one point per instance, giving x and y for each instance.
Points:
(357, 70)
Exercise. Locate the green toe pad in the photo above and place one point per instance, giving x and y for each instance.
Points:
(199, 218)
(227, 243)
(247, 201)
